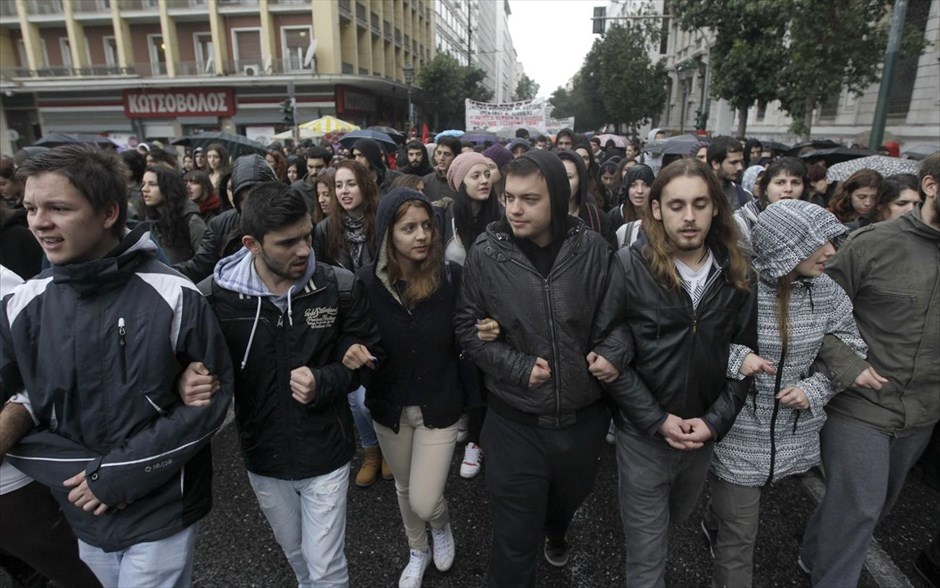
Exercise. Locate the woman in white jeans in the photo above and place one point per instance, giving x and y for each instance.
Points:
(414, 395)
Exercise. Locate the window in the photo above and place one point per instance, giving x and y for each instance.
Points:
(110, 51)
(830, 107)
(66, 49)
(905, 73)
(205, 56)
(21, 53)
(246, 46)
(157, 54)
(761, 110)
(297, 46)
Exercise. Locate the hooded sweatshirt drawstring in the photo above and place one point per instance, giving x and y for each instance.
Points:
(290, 309)
(251, 337)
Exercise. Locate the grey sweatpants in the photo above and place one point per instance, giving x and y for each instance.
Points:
(865, 471)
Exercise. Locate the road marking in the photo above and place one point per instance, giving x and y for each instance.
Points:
(878, 563)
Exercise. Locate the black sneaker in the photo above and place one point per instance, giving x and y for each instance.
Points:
(557, 551)
(711, 535)
(927, 570)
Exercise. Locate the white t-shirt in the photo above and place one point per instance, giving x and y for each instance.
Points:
(694, 280)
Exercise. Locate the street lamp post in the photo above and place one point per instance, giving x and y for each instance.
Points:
(409, 70)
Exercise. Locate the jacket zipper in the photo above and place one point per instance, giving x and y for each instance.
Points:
(773, 416)
(122, 332)
(694, 310)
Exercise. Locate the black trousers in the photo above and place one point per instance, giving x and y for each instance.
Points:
(536, 478)
(34, 531)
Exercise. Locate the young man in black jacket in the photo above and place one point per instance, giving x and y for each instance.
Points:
(689, 303)
(542, 276)
(288, 320)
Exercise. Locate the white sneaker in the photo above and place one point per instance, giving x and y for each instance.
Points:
(611, 437)
(462, 430)
(414, 572)
(443, 541)
(472, 456)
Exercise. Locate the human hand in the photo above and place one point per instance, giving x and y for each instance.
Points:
(677, 433)
(82, 496)
(541, 373)
(754, 364)
(487, 329)
(303, 385)
(793, 397)
(358, 355)
(600, 368)
(196, 385)
(698, 430)
(870, 379)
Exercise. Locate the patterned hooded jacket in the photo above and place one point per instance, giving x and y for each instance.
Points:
(770, 441)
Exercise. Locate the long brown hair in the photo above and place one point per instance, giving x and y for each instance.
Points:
(660, 251)
(328, 179)
(841, 204)
(336, 237)
(427, 279)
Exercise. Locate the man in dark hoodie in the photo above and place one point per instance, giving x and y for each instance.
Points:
(317, 160)
(435, 183)
(369, 153)
(416, 161)
(287, 324)
(223, 236)
(96, 344)
(542, 276)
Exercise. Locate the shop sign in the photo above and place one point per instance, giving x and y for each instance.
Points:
(178, 102)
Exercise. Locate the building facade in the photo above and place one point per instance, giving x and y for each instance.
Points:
(150, 68)
(914, 107)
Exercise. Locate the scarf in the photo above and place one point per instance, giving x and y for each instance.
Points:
(356, 237)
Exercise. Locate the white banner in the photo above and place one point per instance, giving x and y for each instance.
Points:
(487, 117)
(553, 125)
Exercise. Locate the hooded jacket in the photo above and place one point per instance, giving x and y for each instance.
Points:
(268, 336)
(195, 229)
(891, 272)
(223, 236)
(373, 152)
(422, 354)
(424, 166)
(588, 211)
(640, 171)
(770, 441)
(98, 346)
(550, 317)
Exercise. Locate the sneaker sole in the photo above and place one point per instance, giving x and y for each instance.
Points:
(558, 563)
(708, 539)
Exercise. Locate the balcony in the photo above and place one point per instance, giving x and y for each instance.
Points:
(345, 10)
(238, 4)
(91, 6)
(43, 7)
(92, 71)
(187, 4)
(8, 9)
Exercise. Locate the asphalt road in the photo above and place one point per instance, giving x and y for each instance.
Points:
(237, 549)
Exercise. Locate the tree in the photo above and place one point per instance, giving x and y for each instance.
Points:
(445, 84)
(747, 52)
(526, 89)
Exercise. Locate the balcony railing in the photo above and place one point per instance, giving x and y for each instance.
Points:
(138, 5)
(8, 9)
(185, 4)
(239, 3)
(43, 7)
(91, 6)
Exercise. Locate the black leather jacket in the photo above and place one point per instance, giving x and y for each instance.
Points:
(221, 239)
(552, 318)
(681, 356)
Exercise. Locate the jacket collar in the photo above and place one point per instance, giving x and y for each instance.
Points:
(111, 271)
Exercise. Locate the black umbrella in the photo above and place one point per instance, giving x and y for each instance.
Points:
(836, 154)
(681, 145)
(59, 139)
(394, 134)
(810, 145)
(349, 139)
(236, 145)
(774, 146)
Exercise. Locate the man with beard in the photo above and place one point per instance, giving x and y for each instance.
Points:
(436, 186)
(287, 321)
(726, 156)
(416, 162)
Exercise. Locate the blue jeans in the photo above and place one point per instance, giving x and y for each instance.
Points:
(308, 518)
(362, 418)
(166, 562)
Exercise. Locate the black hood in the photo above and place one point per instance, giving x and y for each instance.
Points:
(373, 152)
(559, 190)
(566, 155)
(384, 219)
(424, 166)
(247, 171)
(639, 171)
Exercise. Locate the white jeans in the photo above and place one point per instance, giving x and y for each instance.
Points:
(167, 562)
(309, 522)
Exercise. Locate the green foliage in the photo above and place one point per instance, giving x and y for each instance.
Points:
(445, 84)
(526, 89)
(617, 82)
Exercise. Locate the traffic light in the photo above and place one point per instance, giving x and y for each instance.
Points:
(287, 111)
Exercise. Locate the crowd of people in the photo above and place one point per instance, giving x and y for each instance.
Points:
(727, 318)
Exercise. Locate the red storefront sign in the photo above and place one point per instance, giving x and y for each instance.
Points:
(179, 102)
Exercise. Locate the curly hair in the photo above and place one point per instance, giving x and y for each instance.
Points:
(280, 164)
(169, 224)
(841, 205)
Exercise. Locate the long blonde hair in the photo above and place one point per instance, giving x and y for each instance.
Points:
(427, 279)
(660, 251)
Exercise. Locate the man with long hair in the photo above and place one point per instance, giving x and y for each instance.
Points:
(689, 303)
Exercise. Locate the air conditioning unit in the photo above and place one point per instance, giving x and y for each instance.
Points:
(251, 70)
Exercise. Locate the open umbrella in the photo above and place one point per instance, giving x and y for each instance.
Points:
(59, 139)
(919, 151)
(328, 124)
(795, 151)
(835, 155)
(450, 133)
(236, 145)
(509, 131)
(480, 137)
(775, 146)
(886, 166)
(350, 139)
(681, 145)
(394, 134)
(619, 141)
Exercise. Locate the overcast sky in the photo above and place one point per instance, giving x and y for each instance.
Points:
(551, 38)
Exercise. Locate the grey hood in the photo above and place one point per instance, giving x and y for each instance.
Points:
(789, 231)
